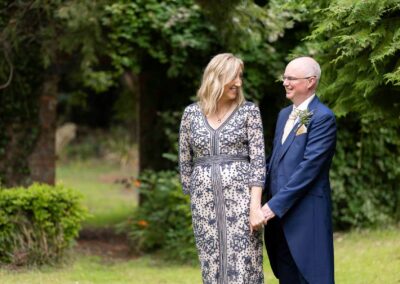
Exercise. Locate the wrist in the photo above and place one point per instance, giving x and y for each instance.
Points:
(255, 206)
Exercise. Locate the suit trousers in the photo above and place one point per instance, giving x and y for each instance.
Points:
(286, 268)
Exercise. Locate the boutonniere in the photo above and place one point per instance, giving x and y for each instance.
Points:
(304, 120)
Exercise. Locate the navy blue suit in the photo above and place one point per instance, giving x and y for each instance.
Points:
(300, 194)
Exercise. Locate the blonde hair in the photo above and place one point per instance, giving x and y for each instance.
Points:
(222, 69)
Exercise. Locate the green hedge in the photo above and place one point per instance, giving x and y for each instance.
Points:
(365, 174)
(38, 224)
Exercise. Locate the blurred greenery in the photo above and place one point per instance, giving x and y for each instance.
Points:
(108, 202)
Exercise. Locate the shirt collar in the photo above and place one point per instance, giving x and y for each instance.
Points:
(304, 105)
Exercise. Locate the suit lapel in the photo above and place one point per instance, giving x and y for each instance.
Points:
(289, 140)
(280, 127)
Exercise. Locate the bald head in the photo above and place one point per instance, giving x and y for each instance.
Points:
(307, 66)
(301, 79)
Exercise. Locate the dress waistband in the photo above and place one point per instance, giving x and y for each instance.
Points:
(217, 159)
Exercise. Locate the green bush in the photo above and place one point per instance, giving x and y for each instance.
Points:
(366, 174)
(163, 221)
(38, 224)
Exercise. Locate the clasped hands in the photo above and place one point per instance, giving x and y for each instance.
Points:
(259, 216)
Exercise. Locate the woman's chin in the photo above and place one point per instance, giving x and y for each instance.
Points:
(232, 96)
(229, 97)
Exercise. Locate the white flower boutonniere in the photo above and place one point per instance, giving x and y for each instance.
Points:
(304, 120)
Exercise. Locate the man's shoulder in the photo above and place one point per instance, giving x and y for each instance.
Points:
(319, 109)
(322, 110)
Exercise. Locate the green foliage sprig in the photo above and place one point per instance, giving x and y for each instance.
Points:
(304, 117)
(359, 43)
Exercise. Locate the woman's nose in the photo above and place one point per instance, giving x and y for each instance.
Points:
(238, 82)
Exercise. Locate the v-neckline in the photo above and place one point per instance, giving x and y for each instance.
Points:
(223, 123)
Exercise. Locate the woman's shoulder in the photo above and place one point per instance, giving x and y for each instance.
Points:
(194, 107)
(250, 106)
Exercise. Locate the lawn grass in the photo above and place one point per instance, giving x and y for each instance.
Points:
(366, 257)
(89, 269)
(108, 203)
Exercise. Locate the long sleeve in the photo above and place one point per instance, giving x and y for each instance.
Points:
(255, 137)
(185, 152)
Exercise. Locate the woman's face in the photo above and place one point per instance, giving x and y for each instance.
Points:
(231, 89)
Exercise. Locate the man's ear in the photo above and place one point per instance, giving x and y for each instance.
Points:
(311, 83)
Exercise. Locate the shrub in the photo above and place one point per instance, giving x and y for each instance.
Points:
(163, 221)
(38, 224)
(366, 174)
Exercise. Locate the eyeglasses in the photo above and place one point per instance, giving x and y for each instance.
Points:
(290, 78)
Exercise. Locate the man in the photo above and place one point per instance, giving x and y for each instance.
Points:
(298, 231)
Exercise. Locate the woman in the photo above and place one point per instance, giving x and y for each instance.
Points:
(222, 167)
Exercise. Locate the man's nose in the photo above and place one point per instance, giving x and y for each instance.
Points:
(285, 82)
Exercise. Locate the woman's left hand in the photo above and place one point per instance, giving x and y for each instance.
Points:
(257, 218)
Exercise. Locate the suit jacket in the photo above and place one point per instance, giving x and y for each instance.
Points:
(300, 193)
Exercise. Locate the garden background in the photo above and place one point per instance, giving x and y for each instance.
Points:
(91, 97)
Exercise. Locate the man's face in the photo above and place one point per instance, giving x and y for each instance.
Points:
(297, 82)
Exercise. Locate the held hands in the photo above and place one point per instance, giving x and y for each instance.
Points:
(256, 218)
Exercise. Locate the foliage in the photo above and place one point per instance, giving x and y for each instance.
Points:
(163, 220)
(365, 174)
(357, 44)
(35, 39)
(170, 120)
(18, 101)
(359, 47)
(168, 32)
(38, 224)
(180, 35)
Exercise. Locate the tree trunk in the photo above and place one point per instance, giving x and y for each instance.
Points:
(42, 159)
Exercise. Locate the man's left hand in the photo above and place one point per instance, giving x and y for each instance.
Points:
(268, 214)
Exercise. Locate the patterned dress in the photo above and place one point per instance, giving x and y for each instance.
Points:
(218, 167)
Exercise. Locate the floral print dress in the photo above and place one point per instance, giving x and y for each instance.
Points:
(218, 167)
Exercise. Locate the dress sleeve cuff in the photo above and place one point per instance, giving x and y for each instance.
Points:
(257, 183)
